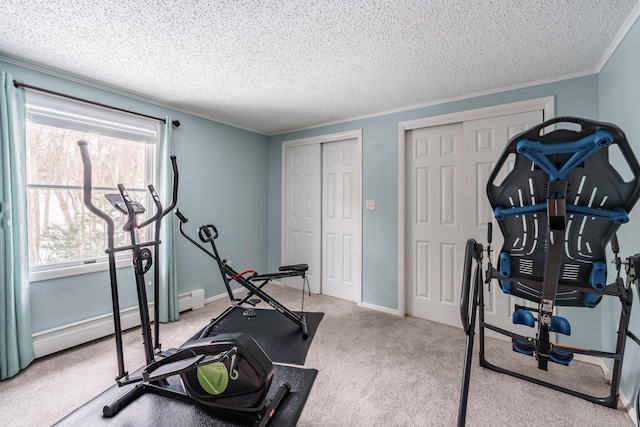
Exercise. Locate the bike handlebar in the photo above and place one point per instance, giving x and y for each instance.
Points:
(205, 233)
(183, 219)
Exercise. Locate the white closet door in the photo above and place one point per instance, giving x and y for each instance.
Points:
(302, 210)
(435, 223)
(447, 171)
(486, 139)
(341, 229)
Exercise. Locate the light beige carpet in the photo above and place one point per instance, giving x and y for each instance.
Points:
(375, 369)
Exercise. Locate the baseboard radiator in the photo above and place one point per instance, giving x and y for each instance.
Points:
(67, 336)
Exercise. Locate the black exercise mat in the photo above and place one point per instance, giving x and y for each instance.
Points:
(158, 411)
(278, 336)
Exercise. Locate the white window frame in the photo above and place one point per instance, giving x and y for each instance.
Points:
(73, 113)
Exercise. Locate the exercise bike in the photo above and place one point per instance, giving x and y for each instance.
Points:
(229, 373)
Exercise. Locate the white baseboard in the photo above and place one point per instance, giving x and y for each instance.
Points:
(593, 360)
(224, 295)
(608, 375)
(67, 336)
(360, 304)
(629, 407)
(380, 308)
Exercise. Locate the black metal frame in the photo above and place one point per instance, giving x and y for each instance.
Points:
(554, 162)
(161, 365)
(472, 303)
(253, 283)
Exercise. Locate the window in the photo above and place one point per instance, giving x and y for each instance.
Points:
(64, 237)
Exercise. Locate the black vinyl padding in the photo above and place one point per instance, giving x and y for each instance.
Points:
(595, 183)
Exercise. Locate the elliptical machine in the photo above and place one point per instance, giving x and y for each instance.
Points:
(227, 372)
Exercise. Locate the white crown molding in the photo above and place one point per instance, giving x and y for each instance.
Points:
(446, 101)
(626, 27)
(112, 89)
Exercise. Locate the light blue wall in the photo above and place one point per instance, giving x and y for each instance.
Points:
(578, 97)
(226, 181)
(223, 177)
(619, 83)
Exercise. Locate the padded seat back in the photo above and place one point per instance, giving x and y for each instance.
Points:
(597, 202)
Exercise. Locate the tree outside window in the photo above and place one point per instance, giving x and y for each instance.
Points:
(62, 232)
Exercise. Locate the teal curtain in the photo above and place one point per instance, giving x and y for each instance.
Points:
(166, 254)
(16, 342)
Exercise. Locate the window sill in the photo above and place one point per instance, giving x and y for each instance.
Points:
(76, 270)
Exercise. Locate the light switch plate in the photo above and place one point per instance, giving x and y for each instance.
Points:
(370, 205)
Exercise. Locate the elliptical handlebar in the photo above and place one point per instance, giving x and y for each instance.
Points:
(174, 193)
(142, 256)
(131, 213)
(156, 200)
(160, 213)
(87, 192)
(88, 202)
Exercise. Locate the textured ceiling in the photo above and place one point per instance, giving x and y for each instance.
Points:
(278, 65)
